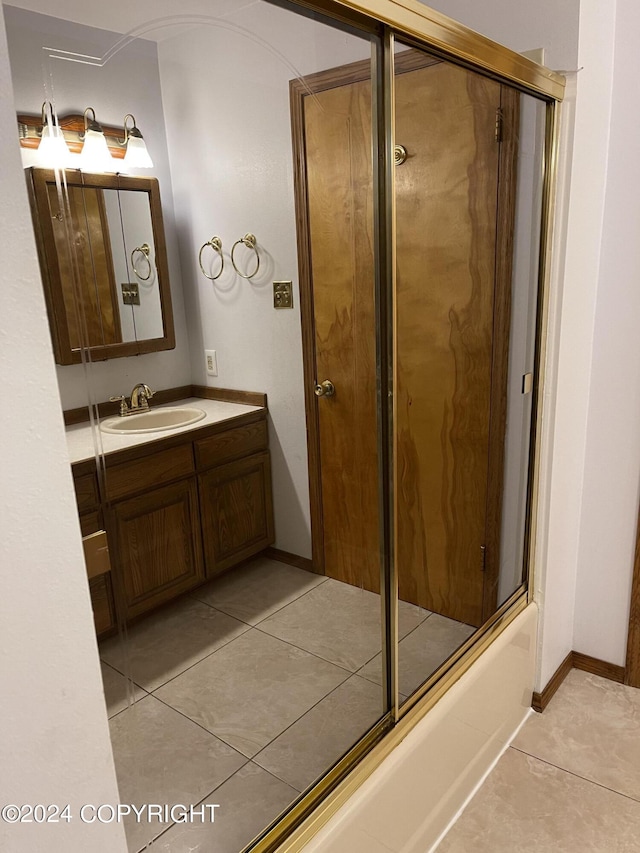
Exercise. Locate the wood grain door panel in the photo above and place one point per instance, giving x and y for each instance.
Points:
(340, 215)
(446, 196)
(159, 545)
(237, 511)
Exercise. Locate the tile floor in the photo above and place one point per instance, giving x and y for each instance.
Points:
(569, 783)
(247, 691)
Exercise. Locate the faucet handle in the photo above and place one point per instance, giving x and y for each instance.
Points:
(123, 404)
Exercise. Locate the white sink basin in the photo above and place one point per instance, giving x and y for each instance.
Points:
(156, 420)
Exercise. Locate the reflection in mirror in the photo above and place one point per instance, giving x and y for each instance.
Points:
(468, 200)
(239, 678)
(103, 260)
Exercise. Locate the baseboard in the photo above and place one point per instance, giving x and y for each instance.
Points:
(576, 660)
(291, 559)
(586, 663)
(539, 701)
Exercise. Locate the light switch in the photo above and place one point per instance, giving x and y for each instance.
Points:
(283, 294)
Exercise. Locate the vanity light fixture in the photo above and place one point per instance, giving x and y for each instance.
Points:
(53, 152)
(137, 156)
(95, 156)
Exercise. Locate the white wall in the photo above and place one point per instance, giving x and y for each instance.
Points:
(612, 453)
(55, 742)
(549, 24)
(226, 102)
(559, 577)
(128, 83)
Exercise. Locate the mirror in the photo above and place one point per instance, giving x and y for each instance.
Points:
(111, 293)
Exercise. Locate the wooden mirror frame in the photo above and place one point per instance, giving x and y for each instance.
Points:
(65, 353)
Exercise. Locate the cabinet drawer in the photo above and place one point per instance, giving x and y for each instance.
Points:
(232, 444)
(86, 486)
(131, 478)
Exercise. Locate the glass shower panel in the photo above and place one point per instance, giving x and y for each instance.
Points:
(468, 204)
(245, 564)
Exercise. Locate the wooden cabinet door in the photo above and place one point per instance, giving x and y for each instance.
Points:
(236, 510)
(159, 545)
(102, 603)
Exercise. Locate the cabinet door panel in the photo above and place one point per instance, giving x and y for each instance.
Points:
(102, 604)
(237, 511)
(158, 539)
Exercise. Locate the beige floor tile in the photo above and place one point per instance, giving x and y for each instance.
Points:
(591, 727)
(116, 690)
(255, 591)
(251, 690)
(317, 740)
(528, 806)
(248, 802)
(161, 757)
(338, 622)
(422, 651)
(170, 641)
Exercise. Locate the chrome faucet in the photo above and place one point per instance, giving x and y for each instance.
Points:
(140, 396)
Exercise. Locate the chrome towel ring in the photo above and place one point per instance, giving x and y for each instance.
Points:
(144, 250)
(216, 245)
(249, 240)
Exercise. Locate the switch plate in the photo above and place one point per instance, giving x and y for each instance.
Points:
(130, 293)
(283, 294)
(211, 362)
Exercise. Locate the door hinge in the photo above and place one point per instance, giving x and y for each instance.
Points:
(483, 558)
(499, 124)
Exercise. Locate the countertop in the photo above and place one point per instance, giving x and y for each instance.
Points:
(80, 437)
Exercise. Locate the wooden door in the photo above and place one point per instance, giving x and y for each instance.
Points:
(337, 129)
(451, 332)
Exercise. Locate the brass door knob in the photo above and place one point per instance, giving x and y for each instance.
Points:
(325, 389)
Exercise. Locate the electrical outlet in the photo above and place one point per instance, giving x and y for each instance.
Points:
(212, 362)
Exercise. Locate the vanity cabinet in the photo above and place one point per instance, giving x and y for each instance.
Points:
(236, 511)
(158, 545)
(91, 521)
(178, 512)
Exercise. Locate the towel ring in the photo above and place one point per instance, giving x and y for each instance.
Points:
(249, 240)
(216, 245)
(144, 251)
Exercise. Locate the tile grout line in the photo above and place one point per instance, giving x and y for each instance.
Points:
(182, 672)
(306, 651)
(206, 797)
(315, 705)
(293, 600)
(187, 717)
(576, 775)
